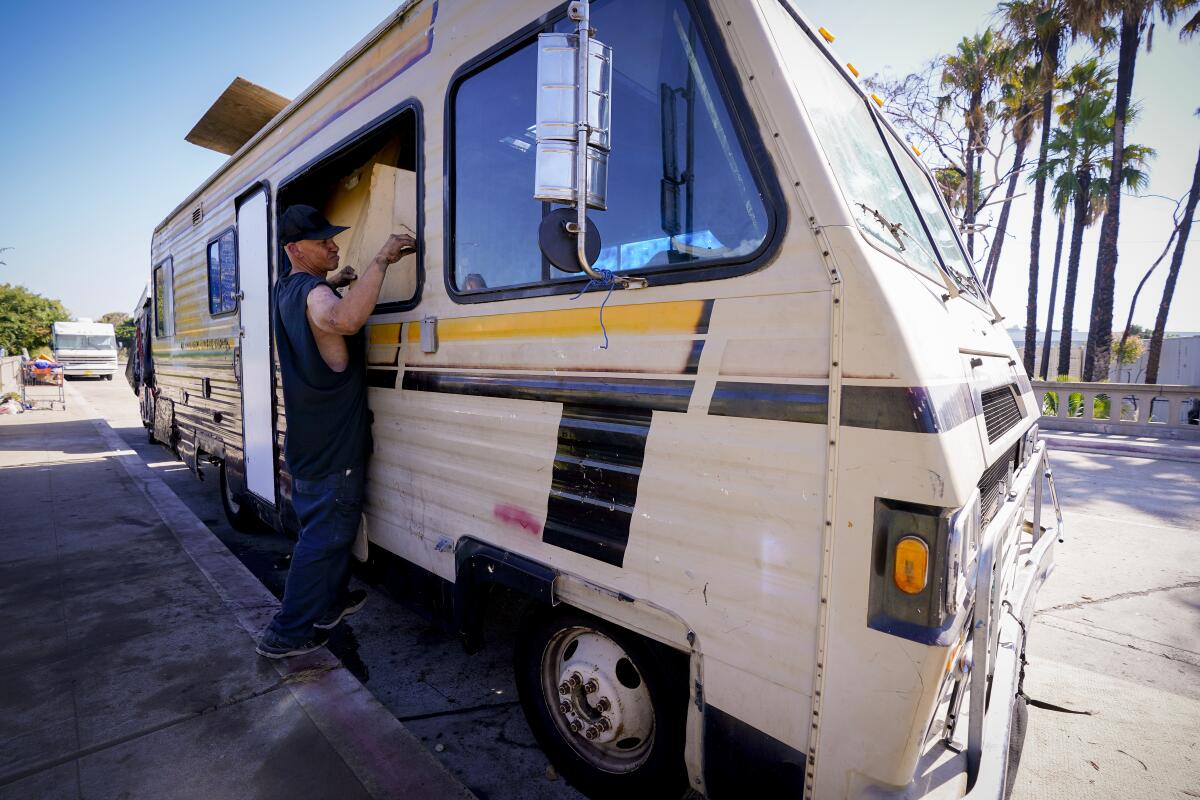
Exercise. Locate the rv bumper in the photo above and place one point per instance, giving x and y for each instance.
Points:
(1001, 619)
(89, 369)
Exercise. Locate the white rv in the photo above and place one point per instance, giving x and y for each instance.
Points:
(704, 371)
(85, 348)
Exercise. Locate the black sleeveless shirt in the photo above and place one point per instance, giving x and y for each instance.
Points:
(328, 423)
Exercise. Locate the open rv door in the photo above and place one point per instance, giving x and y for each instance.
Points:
(254, 274)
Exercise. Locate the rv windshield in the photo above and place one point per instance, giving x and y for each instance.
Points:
(895, 208)
(80, 341)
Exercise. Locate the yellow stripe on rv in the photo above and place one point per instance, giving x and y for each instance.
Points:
(646, 319)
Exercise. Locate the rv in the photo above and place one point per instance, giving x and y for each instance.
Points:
(690, 354)
(85, 348)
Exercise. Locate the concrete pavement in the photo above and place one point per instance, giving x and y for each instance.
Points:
(1117, 636)
(127, 667)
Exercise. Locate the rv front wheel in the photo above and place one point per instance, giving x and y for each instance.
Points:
(238, 511)
(602, 704)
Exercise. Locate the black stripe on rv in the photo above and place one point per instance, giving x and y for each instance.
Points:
(622, 394)
(381, 378)
(910, 409)
(601, 445)
(594, 487)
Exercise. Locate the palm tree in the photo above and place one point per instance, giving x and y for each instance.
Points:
(1083, 79)
(1078, 162)
(1019, 96)
(1164, 307)
(1135, 17)
(971, 72)
(1041, 26)
(1062, 200)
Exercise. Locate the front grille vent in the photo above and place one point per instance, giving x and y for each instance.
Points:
(1000, 411)
(994, 484)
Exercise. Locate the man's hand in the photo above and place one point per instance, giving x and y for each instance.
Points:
(343, 278)
(396, 247)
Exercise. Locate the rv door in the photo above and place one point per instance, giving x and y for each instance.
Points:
(254, 275)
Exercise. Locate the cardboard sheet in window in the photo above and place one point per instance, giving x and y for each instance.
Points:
(376, 201)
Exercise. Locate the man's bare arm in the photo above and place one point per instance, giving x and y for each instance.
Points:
(345, 315)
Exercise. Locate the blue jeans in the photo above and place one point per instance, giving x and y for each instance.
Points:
(329, 509)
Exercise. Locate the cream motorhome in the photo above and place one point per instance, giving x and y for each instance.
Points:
(769, 470)
(85, 348)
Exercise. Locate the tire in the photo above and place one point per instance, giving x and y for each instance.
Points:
(640, 752)
(108, 377)
(238, 510)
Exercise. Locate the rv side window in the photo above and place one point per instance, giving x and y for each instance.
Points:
(222, 274)
(681, 192)
(371, 186)
(162, 299)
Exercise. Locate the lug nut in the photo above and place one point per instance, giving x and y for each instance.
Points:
(564, 688)
(603, 724)
(574, 680)
(591, 687)
(592, 733)
(603, 705)
(564, 707)
(575, 726)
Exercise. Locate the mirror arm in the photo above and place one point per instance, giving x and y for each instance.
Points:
(579, 11)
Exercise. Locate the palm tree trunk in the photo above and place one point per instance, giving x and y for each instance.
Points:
(1044, 367)
(1035, 237)
(998, 242)
(1164, 307)
(1099, 346)
(969, 210)
(1077, 228)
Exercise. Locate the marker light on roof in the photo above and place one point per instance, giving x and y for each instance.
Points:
(826, 35)
(878, 100)
(914, 149)
(850, 67)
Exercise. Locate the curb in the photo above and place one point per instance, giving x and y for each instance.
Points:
(388, 760)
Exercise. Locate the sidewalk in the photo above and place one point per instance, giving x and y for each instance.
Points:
(1124, 445)
(127, 667)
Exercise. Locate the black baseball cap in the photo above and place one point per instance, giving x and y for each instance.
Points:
(305, 222)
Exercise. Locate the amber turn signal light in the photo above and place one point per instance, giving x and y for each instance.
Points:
(911, 572)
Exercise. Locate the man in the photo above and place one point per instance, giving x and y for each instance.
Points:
(322, 357)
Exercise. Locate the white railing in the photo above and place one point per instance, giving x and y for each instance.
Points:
(1138, 409)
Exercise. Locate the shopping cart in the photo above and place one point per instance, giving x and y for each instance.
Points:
(42, 382)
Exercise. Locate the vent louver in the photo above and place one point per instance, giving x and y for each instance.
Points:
(197, 215)
(993, 485)
(1000, 411)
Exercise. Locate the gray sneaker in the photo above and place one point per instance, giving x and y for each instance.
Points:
(353, 603)
(271, 647)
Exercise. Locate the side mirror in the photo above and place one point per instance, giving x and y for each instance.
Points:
(573, 138)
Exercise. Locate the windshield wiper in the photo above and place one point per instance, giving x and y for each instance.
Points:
(894, 228)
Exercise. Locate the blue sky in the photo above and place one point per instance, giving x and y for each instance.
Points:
(98, 98)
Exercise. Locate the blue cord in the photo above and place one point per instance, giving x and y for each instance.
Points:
(609, 279)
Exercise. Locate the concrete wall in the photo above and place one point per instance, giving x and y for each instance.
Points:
(1179, 365)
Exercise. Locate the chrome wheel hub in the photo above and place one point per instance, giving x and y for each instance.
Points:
(598, 699)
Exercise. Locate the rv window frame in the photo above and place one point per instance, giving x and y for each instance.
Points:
(882, 123)
(237, 273)
(167, 325)
(345, 145)
(745, 126)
